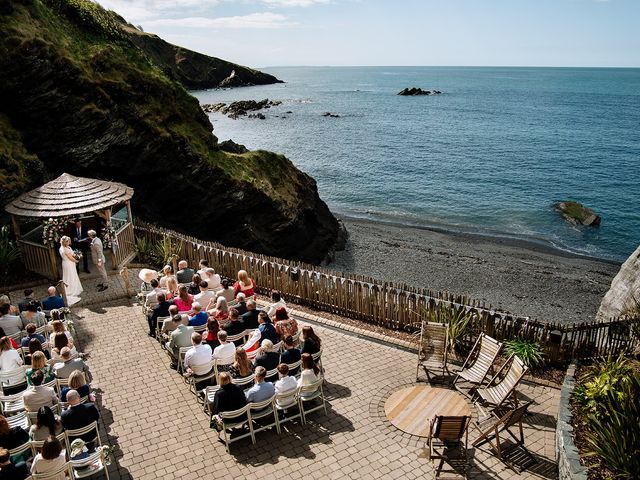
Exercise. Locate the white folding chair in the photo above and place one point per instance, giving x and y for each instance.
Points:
(36, 446)
(271, 375)
(285, 402)
(236, 419)
(89, 465)
(222, 364)
(160, 326)
(183, 351)
(209, 394)
(294, 368)
(309, 393)
(11, 404)
(258, 411)
(194, 378)
(19, 420)
(15, 378)
(71, 435)
(24, 448)
(235, 338)
(244, 382)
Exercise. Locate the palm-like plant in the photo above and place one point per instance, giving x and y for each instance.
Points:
(530, 352)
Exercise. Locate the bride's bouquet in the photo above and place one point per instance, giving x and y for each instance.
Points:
(77, 254)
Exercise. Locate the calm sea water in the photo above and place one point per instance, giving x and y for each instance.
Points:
(491, 154)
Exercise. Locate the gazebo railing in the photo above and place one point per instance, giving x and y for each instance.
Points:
(37, 258)
(125, 248)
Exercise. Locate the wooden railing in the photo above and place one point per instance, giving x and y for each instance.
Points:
(399, 306)
(125, 246)
(38, 258)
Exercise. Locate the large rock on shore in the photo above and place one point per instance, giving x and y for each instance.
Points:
(78, 96)
(578, 214)
(624, 294)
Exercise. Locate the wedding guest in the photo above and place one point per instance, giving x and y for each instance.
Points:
(278, 302)
(10, 360)
(206, 296)
(46, 424)
(250, 317)
(11, 437)
(266, 357)
(38, 395)
(185, 273)
(68, 364)
(32, 315)
(152, 295)
(31, 333)
(309, 372)
(61, 337)
(199, 317)
(53, 301)
(244, 284)
(229, 397)
(211, 338)
(10, 470)
(241, 304)
(167, 273)
(198, 358)
(180, 337)
(77, 382)
(79, 415)
(11, 324)
(242, 367)
(291, 354)
(14, 344)
(226, 291)
(170, 325)
(213, 279)
(310, 341)
(285, 325)
(261, 390)
(172, 288)
(234, 325)
(221, 311)
(184, 299)
(285, 383)
(194, 287)
(35, 346)
(202, 267)
(160, 310)
(28, 298)
(39, 364)
(225, 349)
(264, 331)
(51, 458)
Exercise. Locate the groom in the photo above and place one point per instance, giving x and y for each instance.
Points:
(97, 255)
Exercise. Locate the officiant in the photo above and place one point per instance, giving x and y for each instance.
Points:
(80, 241)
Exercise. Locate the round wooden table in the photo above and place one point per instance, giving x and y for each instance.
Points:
(410, 409)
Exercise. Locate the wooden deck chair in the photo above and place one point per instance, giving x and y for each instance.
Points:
(490, 429)
(448, 433)
(432, 349)
(478, 364)
(502, 385)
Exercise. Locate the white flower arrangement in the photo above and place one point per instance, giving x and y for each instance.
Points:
(108, 235)
(53, 230)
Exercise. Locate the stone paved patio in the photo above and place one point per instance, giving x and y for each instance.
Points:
(160, 431)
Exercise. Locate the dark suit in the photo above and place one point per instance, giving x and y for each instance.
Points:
(268, 360)
(80, 416)
(51, 303)
(230, 397)
(82, 246)
(241, 307)
(250, 319)
(22, 306)
(234, 328)
(160, 310)
(185, 275)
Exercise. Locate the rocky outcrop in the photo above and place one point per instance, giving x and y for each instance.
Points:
(624, 294)
(241, 107)
(418, 91)
(577, 214)
(81, 98)
(330, 115)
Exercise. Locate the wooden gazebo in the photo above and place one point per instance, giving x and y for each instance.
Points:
(63, 199)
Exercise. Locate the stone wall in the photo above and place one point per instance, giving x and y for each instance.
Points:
(569, 466)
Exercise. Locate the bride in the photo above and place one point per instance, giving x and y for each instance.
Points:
(69, 272)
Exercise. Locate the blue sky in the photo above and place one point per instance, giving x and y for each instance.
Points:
(263, 33)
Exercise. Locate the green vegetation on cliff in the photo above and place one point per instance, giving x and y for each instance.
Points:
(78, 95)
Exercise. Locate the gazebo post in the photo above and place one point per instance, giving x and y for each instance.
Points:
(129, 214)
(16, 226)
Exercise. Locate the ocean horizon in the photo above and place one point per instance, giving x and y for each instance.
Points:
(490, 155)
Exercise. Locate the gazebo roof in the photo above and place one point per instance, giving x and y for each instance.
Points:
(69, 195)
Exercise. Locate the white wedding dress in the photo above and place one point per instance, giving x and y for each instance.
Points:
(70, 276)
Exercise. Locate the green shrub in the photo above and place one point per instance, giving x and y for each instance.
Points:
(458, 319)
(611, 411)
(146, 251)
(9, 252)
(166, 248)
(530, 352)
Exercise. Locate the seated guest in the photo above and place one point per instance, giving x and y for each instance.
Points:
(77, 382)
(291, 354)
(266, 357)
(10, 360)
(266, 328)
(46, 424)
(14, 344)
(11, 324)
(285, 325)
(310, 341)
(35, 346)
(244, 284)
(60, 337)
(152, 296)
(32, 315)
(199, 317)
(213, 327)
(11, 437)
(185, 274)
(250, 317)
(11, 471)
(53, 301)
(170, 325)
(242, 367)
(213, 279)
(241, 304)
(37, 395)
(31, 333)
(79, 415)
(221, 310)
(180, 337)
(69, 364)
(194, 287)
(278, 302)
(197, 360)
(225, 349)
(184, 300)
(172, 289)
(285, 383)
(167, 273)
(51, 458)
(226, 291)
(160, 310)
(28, 298)
(203, 264)
(39, 364)
(206, 296)
(229, 397)
(261, 390)
(309, 372)
(234, 326)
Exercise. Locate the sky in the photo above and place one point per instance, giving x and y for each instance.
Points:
(262, 33)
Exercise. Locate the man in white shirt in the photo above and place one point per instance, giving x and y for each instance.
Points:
(285, 382)
(205, 296)
(277, 303)
(213, 279)
(37, 395)
(202, 267)
(198, 357)
(152, 296)
(225, 349)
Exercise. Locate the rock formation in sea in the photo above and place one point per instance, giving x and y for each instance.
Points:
(417, 91)
(624, 294)
(241, 107)
(577, 214)
(78, 95)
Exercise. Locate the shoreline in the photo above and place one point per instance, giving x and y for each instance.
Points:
(516, 275)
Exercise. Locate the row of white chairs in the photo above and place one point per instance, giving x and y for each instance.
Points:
(14, 403)
(81, 468)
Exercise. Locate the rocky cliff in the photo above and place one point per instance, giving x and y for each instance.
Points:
(624, 291)
(78, 95)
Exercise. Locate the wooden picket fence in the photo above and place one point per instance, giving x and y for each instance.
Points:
(398, 306)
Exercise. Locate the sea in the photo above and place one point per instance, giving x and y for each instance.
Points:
(489, 155)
